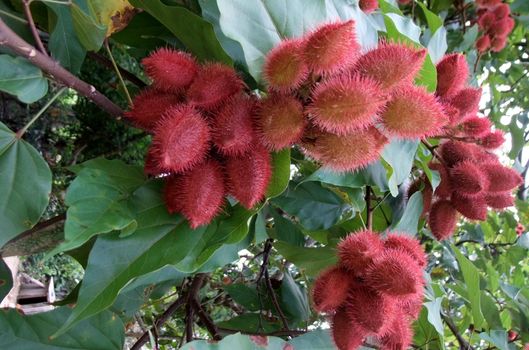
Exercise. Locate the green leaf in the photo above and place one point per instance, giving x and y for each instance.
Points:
(410, 219)
(257, 26)
(434, 22)
(425, 332)
(63, 44)
(98, 201)
(434, 315)
(90, 33)
(246, 323)
(193, 31)
(306, 199)
(471, 278)
(373, 175)
(20, 78)
(490, 311)
(437, 45)
(6, 279)
(280, 173)
(310, 260)
(25, 185)
(104, 331)
(318, 339)
(399, 154)
(244, 295)
(294, 299)
(517, 139)
(286, 231)
(496, 337)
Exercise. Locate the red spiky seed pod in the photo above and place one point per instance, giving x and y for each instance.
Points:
(501, 28)
(453, 152)
(345, 333)
(368, 6)
(492, 140)
(214, 83)
(467, 102)
(331, 47)
(442, 219)
(467, 179)
(444, 189)
(408, 244)
(149, 106)
(233, 130)
(427, 193)
(413, 113)
(280, 121)
(198, 194)
(501, 178)
(475, 126)
(391, 64)
(452, 113)
(357, 251)
(151, 167)
(170, 70)
(473, 208)
(249, 175)
(395, 273)
(483, 43)
(331, 289)
(501, 11)
(181, 139)
(346, 103)
(499, 200)
(487, 3)
(486, 21)
(399, 336)
(347, 153)
(411, 305)
(284, 68)
(370, 310)
(452, 74)
(498, 43)
(404, 2)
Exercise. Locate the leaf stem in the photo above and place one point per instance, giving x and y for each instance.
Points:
(22, 131)
(10, 15)
(116, 68)
(33, 27)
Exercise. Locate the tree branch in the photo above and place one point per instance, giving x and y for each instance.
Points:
(463, 344)
(369, 210)
(33, 27)
(11, 40)
(39, 227)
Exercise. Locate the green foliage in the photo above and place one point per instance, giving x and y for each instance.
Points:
(21, 78)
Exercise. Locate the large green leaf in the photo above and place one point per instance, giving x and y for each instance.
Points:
(193, 31)
(98, 201)
(471, 278)
(161, 239)
(25, 185)
(318, 339)
(310, 260)
(281, 173)
(316, 207)
(89, 31)
(410, 218)
(372, 175)
(399, 154)
(294, 299)
(258, 25)
(63, 44)
(104, 331)
(19, 77)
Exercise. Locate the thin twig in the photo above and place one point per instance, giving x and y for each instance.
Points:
(463, 343)
(125, 73)
(369, 210)
(11, 40)
(206, 319)
(118, 73)
(33, 27)
(433, 151)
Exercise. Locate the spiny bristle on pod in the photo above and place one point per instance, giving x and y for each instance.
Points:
(181, 139)
(473, 208)
(284, 68)
(368, 6)
(442, 219)
(453, 152)
(467, 178)
(502, 28)
(346, 334)
(149, 106)
(170, 70)
(357, 251)
(452, 74)
(486, 21)
(233, 130)
(492, 140)
(444, 189)
(487, 3)
(467, 102)
(395, 273)
(501, 11)
(413, 113)
(501, 178)
(370, 310)
(411, 304)
(280, 121)
(151, 163)
(214, 84)
(346, 103)
(331, 48)
(498, 43)
(499, 200)
(475, 126)
(198, 194)
(399, 336)
(391, 64)
(249, 175)
(331, 289)
(349, 152)
(408, 244)
(483, 43)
